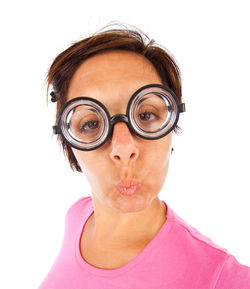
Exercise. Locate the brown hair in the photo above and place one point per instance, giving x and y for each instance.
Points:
(67, 62)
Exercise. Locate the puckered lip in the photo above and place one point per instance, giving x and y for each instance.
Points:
(126, 183)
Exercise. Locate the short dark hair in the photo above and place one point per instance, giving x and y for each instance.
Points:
(66, 63)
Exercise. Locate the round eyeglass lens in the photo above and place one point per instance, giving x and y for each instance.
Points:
(85, 124)
(153, 112)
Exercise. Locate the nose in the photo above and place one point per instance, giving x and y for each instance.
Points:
(124, 149)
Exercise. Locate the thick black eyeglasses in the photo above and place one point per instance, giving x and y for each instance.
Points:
(152, 112)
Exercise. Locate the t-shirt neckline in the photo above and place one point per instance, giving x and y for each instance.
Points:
(156, 242)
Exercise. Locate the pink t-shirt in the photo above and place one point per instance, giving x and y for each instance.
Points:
(179, 257)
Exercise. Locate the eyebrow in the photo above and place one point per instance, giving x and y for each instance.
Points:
(92, 109)
(139, 102)
(143, 99)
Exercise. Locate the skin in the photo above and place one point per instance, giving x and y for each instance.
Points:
(120, 222)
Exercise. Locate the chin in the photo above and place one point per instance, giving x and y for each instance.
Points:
(131, 204)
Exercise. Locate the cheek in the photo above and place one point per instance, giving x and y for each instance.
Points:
(158, 152)
(156, 160)
(159, 168)
(90, 162)
(159, 165)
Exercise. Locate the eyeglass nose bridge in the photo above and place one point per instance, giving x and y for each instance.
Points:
(119, 118)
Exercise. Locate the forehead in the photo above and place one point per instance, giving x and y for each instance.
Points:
(112, 77)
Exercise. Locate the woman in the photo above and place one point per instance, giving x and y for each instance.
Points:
(118, 103)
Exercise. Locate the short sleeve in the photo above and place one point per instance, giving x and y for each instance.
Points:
(233, 275)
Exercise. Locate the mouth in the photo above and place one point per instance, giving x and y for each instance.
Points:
(128, 187)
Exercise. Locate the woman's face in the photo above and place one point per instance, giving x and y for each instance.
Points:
(125, 162)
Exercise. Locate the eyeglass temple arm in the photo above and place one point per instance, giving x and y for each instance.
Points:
(182, 107)
(56, 129)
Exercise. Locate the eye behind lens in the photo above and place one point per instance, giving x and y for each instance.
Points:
(85, 123)
(152, 112)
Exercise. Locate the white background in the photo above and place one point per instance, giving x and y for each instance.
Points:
(208, 180)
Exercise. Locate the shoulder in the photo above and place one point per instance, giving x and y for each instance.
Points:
(196, 238)
(84, 204)
(83, 201)
(226, 271)
(233, 275)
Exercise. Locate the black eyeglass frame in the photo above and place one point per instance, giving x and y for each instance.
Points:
(118, 117)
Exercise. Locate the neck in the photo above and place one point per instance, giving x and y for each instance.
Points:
(116, 230)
